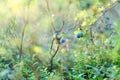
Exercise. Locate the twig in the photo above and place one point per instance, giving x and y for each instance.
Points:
(51, 45)
(63, 23)
(48, 8)
(23, 33)
(51, 61)
(91, 35)
(21, 44)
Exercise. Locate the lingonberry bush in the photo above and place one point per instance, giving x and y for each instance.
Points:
(59, 40)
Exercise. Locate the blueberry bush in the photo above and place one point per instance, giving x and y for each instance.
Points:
(59, 40)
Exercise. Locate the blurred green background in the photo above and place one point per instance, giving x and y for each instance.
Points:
(26, 33)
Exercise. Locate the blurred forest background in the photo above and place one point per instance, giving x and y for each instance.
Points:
(59, 40)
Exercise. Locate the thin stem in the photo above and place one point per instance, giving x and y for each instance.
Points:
(21, 44)
(48, 8)
(51, 61)
(91, 35)
(63, 23)
(51, 45)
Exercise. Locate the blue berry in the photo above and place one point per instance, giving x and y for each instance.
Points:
(88, 4)
(79, 35)
(62, 40)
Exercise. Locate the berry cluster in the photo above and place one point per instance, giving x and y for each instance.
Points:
(60, 39)
(79, 35)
